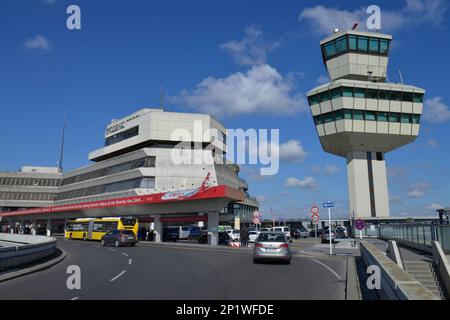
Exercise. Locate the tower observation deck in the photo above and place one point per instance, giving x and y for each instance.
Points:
(360, 116)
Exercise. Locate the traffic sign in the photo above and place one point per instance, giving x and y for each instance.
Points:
(256, 214)
(315, 218)
(315, 210)
(360, 224)
(256, 220)
(328, 204)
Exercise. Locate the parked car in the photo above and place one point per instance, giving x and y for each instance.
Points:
(304, 233)
(234, 234)
(286, 230)
(119, 238)
(253, 236)
(171, 234)
(312, 233)
(295, 234)
(327, 234)
(224, 238)
(195, 233)
(183, 232)
(272, 245)
(341, 232)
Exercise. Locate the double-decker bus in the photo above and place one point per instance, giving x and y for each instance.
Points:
(96, 228)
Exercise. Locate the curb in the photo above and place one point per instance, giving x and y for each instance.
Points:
(352, 285)
(39, 267)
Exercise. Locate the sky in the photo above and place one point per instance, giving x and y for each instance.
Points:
(249, 63)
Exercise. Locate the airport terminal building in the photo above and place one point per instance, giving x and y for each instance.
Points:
(134, 174)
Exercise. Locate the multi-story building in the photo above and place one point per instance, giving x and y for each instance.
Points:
(160, 166)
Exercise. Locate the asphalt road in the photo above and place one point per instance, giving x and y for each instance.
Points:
(173, 272)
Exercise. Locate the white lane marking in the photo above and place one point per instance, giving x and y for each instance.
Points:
(113, 250)
(130, 261)
(124, 254)
(328, 268)
(116, 277)
(95, 246)
(76, 298)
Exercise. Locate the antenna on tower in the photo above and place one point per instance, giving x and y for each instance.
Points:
(61, 154)
(162, 96)
(401, 76)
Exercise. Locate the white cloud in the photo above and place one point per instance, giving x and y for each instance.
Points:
(415, 12)
(322, 79)
(432, 143)
(252, 49)
(261, 90)
(306, 183)
(292, 151)
(416, 194)
(436, 111)
(434, 206)
(418, 189)
(39, 43)
(331, 169)
(316, 169)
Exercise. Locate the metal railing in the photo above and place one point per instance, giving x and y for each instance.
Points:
(420, 234)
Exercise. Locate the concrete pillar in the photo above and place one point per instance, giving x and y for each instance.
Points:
(158, 229)
(49, 227)
(213, 228)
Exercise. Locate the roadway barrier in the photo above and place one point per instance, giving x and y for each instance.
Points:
(442, 265)
(396, 284)
(234, 244)
(20, 249)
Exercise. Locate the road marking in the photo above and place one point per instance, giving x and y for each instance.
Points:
(113, 250)
(95, 246)
(130, 261)
(328, 268)
(124, 254)
(116, 277)
(76, 298)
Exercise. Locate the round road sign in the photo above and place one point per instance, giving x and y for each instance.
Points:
(360, 224)
(315, 210)
(256, 221)
(256, 213)
(315, 218)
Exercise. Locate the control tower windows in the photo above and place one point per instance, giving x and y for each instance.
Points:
(372, 94)
(394, 117)
(348, 92)
(127, 134)
(341, 45)
(416, 118)
(396, 96)
(358, 114)
(360, 93)
(371, 115)
(418, 98)
(405, 118)
(330, 49)
(352, 42)
(374, 45)
(354, 114)
(339, 114)
(383, 116)
(362, 43)
(384, 46)
(383, 95)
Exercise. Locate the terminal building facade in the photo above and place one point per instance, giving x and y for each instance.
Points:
(134, 174)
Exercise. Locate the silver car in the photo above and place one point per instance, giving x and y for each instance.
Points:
(272, 245)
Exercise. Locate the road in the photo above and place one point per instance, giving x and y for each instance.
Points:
(175, 272)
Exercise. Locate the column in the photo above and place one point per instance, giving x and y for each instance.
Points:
(158, 229)
(33, 227)
(49, 227)
(213, 228)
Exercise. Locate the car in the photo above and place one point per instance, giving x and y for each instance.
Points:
(171, 234)
(253, 235)
(119, 238)
(195, 233)
(286, 231)
(272, 245)
(234, 234)
(312, 233)
(341, 232)
(295, 234)
(224, 238)
(183, 232)
(326, 236)
(304, 233)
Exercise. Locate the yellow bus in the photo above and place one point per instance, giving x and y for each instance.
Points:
(96, 228)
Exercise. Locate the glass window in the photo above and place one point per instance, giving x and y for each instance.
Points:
(373, 45)
(383, 94)
(328, 117)
(339, 114)
(416, 118)
(394, 117)
(405, 118)
(341, 44)
(360, 92)
(396, 96)
(372, 94)
(336, 93)
(352, 42)
(318, 119)
(348, 114)
(408, 96)
(347, 92)
(324, 96)
(384, 46)
(382, 116)
(313, 99)
(330, 49)
(362, 43)
(358, 114)
(418, 97)
(371, 115)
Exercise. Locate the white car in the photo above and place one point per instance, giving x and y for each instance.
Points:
(235, 235)
(253, 235)
(183, 232)
(286, 231)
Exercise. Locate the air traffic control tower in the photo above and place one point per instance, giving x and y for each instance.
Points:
(361, 117)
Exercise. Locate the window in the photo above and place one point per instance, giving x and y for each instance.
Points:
(418, 98)
(416, 118)
(373, 45)
(324, 96)
(394, 117)
(352, 42)
(360, 92)
(371, 115)
(362, 43)
(383, 94)
(339, 114)
(405, 118)
(380, 156)
(341, 44)
(348, 114)
(318, 120)
(313, 99)
(328, 117)
(383, 116)
(372, 94)
(330, 49)
(358, 114)
(384, 46)
(396, 96)
(336, 93)
(347, 92)
(408, 96)
(127, 134)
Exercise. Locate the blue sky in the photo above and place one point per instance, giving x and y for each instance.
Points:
(199, 49)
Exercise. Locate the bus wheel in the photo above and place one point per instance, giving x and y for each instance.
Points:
(84, 237)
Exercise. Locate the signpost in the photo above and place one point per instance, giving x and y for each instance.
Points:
(315, 219)
(360, 225)
(329, 205)
(256, 218)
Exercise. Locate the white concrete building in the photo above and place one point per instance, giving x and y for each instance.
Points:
(360, 116)
(137, 162)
